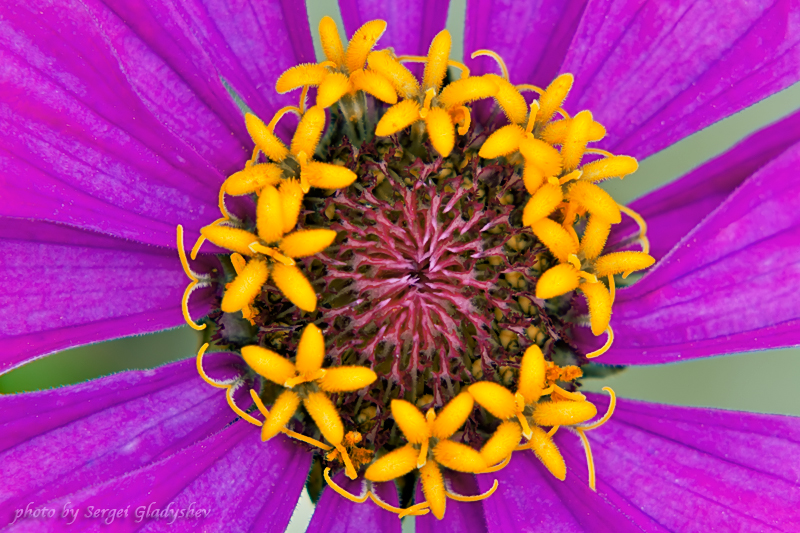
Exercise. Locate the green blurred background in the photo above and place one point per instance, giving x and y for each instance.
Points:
(764, 382)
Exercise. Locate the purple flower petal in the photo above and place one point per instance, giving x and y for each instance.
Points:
(411, 24)
(65, 287)
(458, 516)
(728, 286)
(659, 468)
(335, 514)
(116, 118)
(672, 211)
(55, 442)
(653, 74)
(531, 37)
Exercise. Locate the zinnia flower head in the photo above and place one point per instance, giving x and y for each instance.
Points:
(405, 285)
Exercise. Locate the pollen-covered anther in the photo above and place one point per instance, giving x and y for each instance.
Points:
(294, 376)
(419, 429)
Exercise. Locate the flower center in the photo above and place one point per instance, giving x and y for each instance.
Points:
(420, 266)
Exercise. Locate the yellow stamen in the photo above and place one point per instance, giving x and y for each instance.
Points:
(502, 142)
(556, 238)
(547, 452)
(300, 75)
(419, 509)
(324, 413)
(332, 89)
(610, 411)
(574, 175)
(263, 137)
(310, 350)
(245, 287)
(194, 282)
(612, 288)
(532, 374)
(361, 44)
(613, 166)
(531, 88)
(556, 281)
(589, 458)
(305, 243)
(495, 398)
(599, 300)
(411, 421)
(459, 457)
(497, 467)
(237, 410)
(553, 97)
(399, 76)
(605, 347)
(397, 118)
(622, 262)
(532, 116)
(269, 364)
(394, 464)
(441, 130)
(294, 285)
(303, 100)
(567, 395)
(595, 200)
(339, 490)
(509, 99)
(269, 215)
(288, 432)
(523, 421)
(476, 498)
(495, 56)
(279, 115)
(326, 176)
(349, 469)
(283, 409)
(452, 416)
(462, 117)
(467, 90)
(309, 130)
(234, 239)
(202, 372)
(291, 193)
(346, 378)
(303, 377)
(374, 84)
(436, 64)
(252, 179)
(595, 236)
(552, 431)
(543, 202)
(433, 488)
(331, 42)
(642, 226)
(501, 444)
(426, 105)
(256, 247)
(563, 413)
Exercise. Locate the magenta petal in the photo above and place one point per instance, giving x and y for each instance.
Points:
(411, 24)
(458, 516)
(65, 287)
(336, 514)
(118, 121)
(659, 468)
(232, 480)
(55, 442)
(653, 75)
(694, 469)
(672, 211)
(728, 286)
(532, 37)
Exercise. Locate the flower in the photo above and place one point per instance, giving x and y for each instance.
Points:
(127, 128)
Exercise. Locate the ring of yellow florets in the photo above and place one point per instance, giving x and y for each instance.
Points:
(564, 201)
